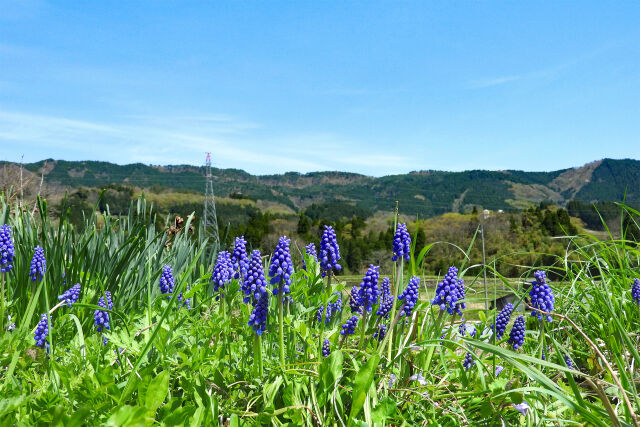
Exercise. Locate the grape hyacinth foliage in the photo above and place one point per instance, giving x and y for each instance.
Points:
(310, 250)
(281, 267)
(369, 291)
(166, 281)
(239, 257)
(410, 296)
(401, 243)
(71, 295)
(541, 295)
(516, 336)
(635, 291)
(329, 251)
(41, 333)
(502, 320)
(349, 328)
(38, 264)
(7, 251)
(449, 292)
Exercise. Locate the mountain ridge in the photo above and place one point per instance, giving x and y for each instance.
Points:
(426, 193)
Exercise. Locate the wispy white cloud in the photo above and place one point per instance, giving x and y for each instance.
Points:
(184, 139)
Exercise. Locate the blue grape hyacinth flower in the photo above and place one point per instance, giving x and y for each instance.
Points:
(38, 264)
(41, 333)
(410, 296)
(635, 291)
(401, 243)
(369, 291)
(541, 295)
(354, 301)
(382, 331)
(349, 328)
(464, 329)
(336, 307)
(516, 336)
(310, 250)
(449, 292)
(281, 267)
(502, 320)
(254, 283)
(223, 271)
(7, 250)
(468, 362)
(71, 295)
(184, 302)
(101, 317)
(569, 362)
(239, 257)
(166, 281)
(329, 251)
(258, 318)
(326, 348)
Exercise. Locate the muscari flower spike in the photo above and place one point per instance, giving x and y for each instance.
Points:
(468, 362)
(101, 317)
(239, 257)
(401, 243)
(449, 292)
(369, 291)
(41, 333)
(541, 295)
(516, 336)
(336, 307)
(329, 251)
(7, 251)
(354, 301)
(410, 296)
(254, 283)
(463, 329)
(502, 320)
(635, 291)
(569, 362)
(281, 267)
(349, 328)
(186, 303)
(382, 331)
(166, 280)
(326, 348)
(258, 318)
(38, 264)
(223, 271)
(310, 250)
(71, 295)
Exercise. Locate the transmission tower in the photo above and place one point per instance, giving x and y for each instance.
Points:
(210, 217)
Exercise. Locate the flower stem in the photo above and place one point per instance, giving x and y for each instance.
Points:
(257, 351)
(281, 324)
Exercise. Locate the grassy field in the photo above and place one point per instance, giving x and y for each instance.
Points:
(192, 355)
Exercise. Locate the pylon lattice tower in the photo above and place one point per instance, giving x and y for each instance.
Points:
(210, 217)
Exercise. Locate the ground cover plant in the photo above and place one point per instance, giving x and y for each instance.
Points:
(118, 323)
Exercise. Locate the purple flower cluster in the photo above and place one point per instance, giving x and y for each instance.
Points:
(332, 308)
(463, 329)
(281, 267)
(369, 291)
(166, 280)
(42, 331)
(310, 250)
(258, 318)
(386, 299)
(349, 328)
(254, 283)
(71, 295)
(326, 348)
(502, 320)
(329, 251)
(223, 271)
(101, 317)
(382, 331)
(410, 296)
(569, 362)
(354, 301)
(401, 243)
(239, 257)
(635, 291)
(468, 362)
(186, 302)
(38, 264)
(7, 251)
(449, 292)
(516, 336)
(541, 295)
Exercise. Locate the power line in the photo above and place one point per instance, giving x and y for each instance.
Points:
(210, 217)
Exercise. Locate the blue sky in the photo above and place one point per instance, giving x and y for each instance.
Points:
(370, 87)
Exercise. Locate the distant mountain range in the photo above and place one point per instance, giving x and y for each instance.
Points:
(426, 193)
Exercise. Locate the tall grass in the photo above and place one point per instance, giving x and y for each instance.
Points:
(202, 366)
